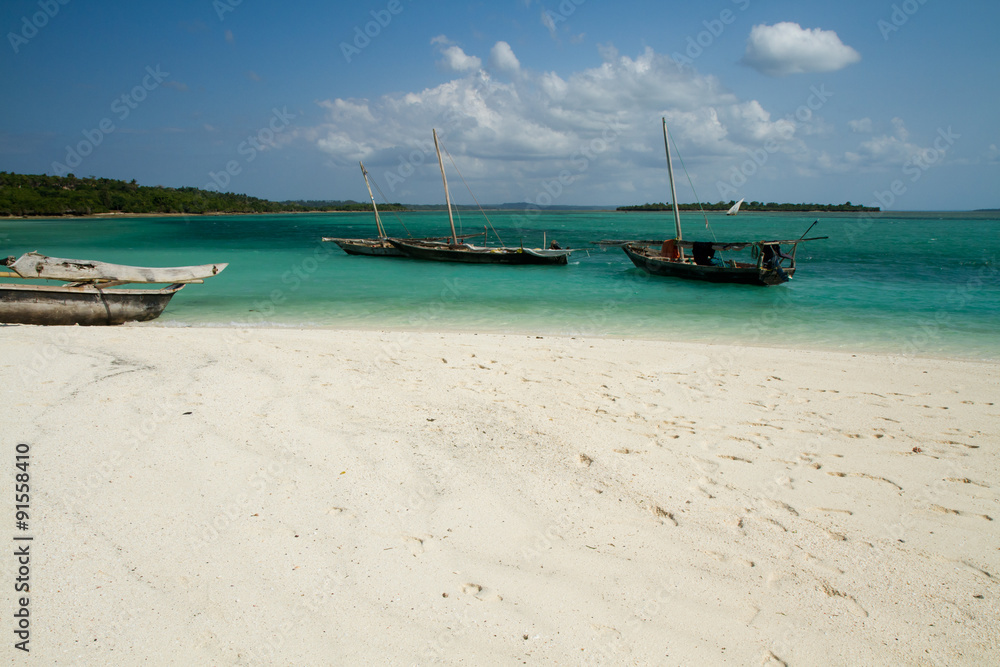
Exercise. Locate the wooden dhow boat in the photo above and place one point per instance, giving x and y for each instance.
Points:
(453, 250)
(380, 245)
(376, 247)
(774, 261)
(92, 294)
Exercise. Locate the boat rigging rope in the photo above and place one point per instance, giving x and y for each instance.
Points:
(696, 197)
(473, 196)
(380, 194)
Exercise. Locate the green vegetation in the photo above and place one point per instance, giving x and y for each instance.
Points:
(40, 195)
(754, 206)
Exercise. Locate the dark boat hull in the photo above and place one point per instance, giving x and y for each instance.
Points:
(444, 253)
(86, 306)
(743, 274)
(368, 247)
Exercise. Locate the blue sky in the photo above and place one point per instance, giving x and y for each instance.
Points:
(893, 104)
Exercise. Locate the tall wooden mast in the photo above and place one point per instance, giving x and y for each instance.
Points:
(673, 191)
(447, 196)
(378, 221)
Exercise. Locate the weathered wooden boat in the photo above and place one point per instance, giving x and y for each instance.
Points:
(774, 261)
(773, 265)
(368, 247)
(376, 247)
(380, 245)
(455, 251)
(93, 295)
(467, 253)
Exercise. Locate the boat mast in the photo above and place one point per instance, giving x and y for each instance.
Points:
(447, 196)
(673, 191)
(378, 222)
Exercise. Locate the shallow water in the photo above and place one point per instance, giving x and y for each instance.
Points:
(924, 284)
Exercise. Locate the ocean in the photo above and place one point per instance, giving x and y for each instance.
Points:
(908, 284)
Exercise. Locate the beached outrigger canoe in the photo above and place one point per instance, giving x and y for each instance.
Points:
(92, 294)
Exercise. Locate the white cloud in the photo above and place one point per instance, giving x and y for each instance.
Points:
(456, 60)
(503, 59)
(861, 126)
(601, 124)
(788, 48)
(885, 151)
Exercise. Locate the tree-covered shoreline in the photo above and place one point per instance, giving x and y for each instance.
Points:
(755, 206)
(31, 195)
(41, 195)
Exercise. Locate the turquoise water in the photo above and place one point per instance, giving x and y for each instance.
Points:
(908, 284)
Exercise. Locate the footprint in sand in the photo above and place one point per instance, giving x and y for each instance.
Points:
(947, 510)
(771, 660)
(663, 515)
(774, 524)
(416, 544)
(849, 600)
(865, 475)
(480, 593)
(722, 558)
(777, 504)
(699, 488)
(821, 564)
(965, 480)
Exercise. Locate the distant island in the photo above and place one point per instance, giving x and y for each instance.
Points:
(41, 195)
(754, 206)
(26, 195)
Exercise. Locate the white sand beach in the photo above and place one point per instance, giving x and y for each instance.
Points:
(316, 497)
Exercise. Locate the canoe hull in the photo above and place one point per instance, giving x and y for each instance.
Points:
(444, 253)
(744, 274)
(86, 306)
(34, 265)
